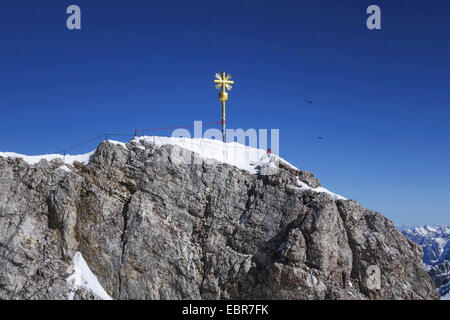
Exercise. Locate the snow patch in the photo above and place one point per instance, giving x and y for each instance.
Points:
(119, 143)
(421, 230)
(68, 159)
(441, 242)
(232, 153)
(65, 168)
(83, 277)
(303, 186)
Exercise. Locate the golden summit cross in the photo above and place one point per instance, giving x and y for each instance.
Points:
(223, 81)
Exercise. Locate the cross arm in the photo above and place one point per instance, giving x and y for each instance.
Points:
(224, 81)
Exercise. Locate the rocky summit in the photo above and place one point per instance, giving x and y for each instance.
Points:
(134, 222)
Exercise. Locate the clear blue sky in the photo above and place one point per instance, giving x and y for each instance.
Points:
(382, 98)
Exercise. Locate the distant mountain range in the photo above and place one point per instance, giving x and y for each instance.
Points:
(435, 241)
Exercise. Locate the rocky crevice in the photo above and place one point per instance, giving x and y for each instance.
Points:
(201, 239)
(124, 239)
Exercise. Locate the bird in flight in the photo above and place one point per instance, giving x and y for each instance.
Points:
(320, 138)
(309, 101)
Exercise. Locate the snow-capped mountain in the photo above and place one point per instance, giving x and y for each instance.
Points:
(435, 241)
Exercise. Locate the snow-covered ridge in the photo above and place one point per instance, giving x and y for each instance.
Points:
(68, 159)
(427, 230)
(84, 278)
(232, 153)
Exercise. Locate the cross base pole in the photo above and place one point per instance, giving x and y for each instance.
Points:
(223, 122)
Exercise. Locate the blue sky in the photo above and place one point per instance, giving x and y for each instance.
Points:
(381, 98)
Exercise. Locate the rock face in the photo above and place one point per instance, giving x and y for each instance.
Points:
(151, 227)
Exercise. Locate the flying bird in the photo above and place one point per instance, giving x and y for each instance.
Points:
(320, 138)
(309, 101)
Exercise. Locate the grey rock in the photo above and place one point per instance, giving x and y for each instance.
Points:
(268, 170)
(152, 227)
